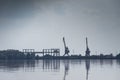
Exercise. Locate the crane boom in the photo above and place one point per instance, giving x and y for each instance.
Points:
(66, 48)
(64, 42)
(86, 43)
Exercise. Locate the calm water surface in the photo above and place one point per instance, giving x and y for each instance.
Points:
(60, 70)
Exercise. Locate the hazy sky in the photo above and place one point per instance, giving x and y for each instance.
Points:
(41, 24)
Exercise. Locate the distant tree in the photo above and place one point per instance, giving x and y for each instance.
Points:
(37, 57)
(118, 56)
(101, 55)
(11, 54)
(80, 55)
(111, 55)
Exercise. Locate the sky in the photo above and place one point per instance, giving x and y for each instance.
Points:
(41, 24)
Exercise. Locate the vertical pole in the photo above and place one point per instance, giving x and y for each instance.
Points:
(86, 43)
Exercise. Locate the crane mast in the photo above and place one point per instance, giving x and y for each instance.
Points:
(64, 42)
(66, 48)
(86, 43)
(87, 49)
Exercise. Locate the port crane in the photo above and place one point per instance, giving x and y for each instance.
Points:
(87, 49)
(66, 48)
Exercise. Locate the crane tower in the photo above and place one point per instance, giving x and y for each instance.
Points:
(87, 49)
(66, 48)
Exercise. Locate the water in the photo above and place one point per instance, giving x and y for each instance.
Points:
(60, 70)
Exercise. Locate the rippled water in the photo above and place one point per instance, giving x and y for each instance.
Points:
(60, 70)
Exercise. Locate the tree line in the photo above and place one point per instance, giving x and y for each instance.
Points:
(15, 54)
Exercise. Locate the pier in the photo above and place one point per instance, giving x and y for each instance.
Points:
(50, 52)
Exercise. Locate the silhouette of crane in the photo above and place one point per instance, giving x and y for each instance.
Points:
(66, 48)
(87, 49)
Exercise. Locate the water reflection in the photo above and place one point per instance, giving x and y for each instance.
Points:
(53, 65)
(66, 68)
(29, 65)
(12, 65)
(118, 62)
(87, 65)
(63, 66)
(107, 62)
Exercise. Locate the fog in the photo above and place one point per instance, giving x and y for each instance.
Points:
(40, 24)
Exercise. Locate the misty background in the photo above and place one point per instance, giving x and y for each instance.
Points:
(39, 24)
